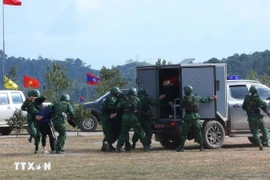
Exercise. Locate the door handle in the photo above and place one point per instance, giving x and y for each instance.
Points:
(236, 105)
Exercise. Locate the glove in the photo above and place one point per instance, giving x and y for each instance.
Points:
(71, 122)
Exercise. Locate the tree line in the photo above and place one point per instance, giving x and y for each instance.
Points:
(69, 75)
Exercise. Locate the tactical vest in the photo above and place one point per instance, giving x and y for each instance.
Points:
(59, 107)
(251, 103)
(130, 106)
(192, 104)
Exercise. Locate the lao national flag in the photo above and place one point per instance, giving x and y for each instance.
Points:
(92, 79)
(82, 99)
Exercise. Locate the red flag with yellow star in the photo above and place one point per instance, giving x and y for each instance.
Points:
(30, 82)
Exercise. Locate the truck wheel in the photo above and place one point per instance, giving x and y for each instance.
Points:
(170, 142)
(5, 131)
(89, 125)
(213, 134)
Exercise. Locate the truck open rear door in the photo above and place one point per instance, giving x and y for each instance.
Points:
(147, 79)
(202, 79)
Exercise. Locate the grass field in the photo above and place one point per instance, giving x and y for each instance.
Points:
(238, 159)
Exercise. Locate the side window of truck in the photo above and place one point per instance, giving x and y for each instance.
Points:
(239, 92)
(4, 99)
(16, 98)
(264, 93)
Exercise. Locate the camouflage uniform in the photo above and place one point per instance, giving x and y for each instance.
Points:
(191, 119)
(58, 119)
(130, 106)
(108, 107)
(33, 108)
(117, 123)
(144, 118)
(252, 105)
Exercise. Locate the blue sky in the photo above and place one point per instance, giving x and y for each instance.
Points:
(109, 32)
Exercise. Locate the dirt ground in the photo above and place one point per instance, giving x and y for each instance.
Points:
(237, 159)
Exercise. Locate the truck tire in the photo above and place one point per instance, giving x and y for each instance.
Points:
(170, 142)
(89, 125)
(5, 131)
(213, 135)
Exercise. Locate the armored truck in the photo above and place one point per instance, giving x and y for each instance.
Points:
(219, 118)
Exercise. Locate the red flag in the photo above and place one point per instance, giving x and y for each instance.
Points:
(30, 82)
(12, 2)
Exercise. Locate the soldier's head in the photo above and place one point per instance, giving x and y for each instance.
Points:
(65, 97)
(253, 89)
(33, 93)
(132, 91)
(188, 89)
(141, 91)
(120, 95)
(114, 91)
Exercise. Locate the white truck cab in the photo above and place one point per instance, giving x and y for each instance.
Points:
(10, 100)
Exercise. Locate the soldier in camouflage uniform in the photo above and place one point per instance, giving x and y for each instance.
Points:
(190, 103)
(117, 122)
(252, 105)
(130, 106)
(109, 107)
(144, 118)
(32, 106)
(61, 109)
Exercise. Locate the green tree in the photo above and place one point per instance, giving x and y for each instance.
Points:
(57, 82)
(13, 72)
(81, 114)
(162, 62)
(109, 78)
(17, 121)
(253, 75)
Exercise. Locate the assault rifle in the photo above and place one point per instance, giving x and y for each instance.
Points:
(266, 112)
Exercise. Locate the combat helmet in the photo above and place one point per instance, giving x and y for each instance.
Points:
(34, 93)
(141, 91)
(65, 97)
(114, 90)
(132, 91)
(188, 89)
(253, 89)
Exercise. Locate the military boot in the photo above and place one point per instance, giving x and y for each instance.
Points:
(36, 148)
(30, 139)
(127, 146)
(106, 146)
(112, 149)
(145, 148)
(180, 149)
(133, 146)
(201, 148)
(58, 152)
(118, 149)
(261, 147)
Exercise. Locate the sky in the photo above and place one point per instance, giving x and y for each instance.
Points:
(110, 32)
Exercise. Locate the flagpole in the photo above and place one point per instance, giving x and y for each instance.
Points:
(3, 54)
